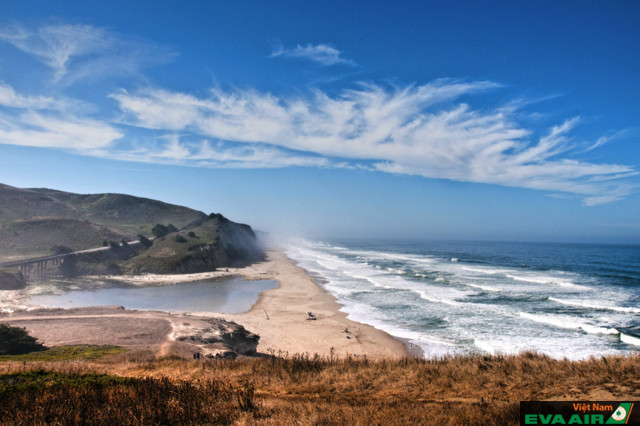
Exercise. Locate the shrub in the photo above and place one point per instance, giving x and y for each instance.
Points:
(144, 241)
(69, 266)
(159, 230)
(16, 341)
(60, 249)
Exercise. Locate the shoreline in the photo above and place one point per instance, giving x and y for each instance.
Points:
(288, 328)
(279, 316)
(287, 305)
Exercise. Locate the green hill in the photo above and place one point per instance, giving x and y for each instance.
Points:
(39, 222)
(34, 221)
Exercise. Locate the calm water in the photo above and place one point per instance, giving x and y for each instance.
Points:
(228, 296)
(467, 297)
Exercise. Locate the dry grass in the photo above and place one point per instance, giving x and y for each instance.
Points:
(311, 390)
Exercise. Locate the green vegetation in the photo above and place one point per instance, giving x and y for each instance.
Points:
(39, 222)
(159, 230)
(15, 341)
(43, 236)
(146, 242)
(67, 353)
(34, 222)
(41, 397)
(181, 251)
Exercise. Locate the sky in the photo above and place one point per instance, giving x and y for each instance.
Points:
(480, 120)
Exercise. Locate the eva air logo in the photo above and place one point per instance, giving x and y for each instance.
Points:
(578, 413)
(621, 415)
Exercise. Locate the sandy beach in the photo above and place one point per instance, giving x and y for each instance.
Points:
(279, 317)
(288, 328)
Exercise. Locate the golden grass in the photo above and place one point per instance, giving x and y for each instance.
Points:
(305, 390)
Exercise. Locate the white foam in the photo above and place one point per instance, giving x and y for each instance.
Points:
(488, 271)
(493, 347)
(484, 287)
(589, 305)
(426, 296)
(630, 340)
(431, 346)
(568, 323)
(400, 293)
(543, 279)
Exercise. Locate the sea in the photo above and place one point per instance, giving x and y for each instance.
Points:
(572, 301)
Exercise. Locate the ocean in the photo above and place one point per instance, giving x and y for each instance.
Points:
(569, 301)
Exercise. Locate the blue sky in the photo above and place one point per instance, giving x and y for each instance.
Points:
(466, 120)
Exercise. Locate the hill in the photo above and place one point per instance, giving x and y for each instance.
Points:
(40, 222)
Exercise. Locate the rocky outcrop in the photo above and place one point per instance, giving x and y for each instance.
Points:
(233, 244)
(221, 339)
(11, 280)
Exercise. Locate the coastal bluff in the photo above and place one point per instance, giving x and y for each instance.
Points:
(115, 234)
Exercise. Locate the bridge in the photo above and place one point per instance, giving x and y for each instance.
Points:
(39, 268)
(45, 267)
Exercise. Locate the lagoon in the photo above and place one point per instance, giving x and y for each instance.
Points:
(231, 296)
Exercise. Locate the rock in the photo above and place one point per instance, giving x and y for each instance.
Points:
(11, 280)
(221, 339)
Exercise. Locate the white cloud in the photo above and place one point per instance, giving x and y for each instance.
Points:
(172, 149)
(611, 136)
(69, 132)
(76, 52)
(49, 122)
(10, 98)
(594, 201)
(322, 54)
(422, 130)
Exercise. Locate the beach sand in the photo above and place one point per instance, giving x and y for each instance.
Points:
(288, 328)
(279, 317)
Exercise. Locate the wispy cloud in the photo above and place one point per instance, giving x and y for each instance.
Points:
(177, 150)
(431, 130)
(322, 54)
(76, 52)
(10, 98)
(611, 136)
(421, 130)
(49, 122)
(68, 132)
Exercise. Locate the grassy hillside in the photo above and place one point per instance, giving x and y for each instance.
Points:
(39, 222)
(183, 251)
(34, 221)
(304, 390)
(20, 204)
(124, 211)
(39, 236)
(215, 242)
